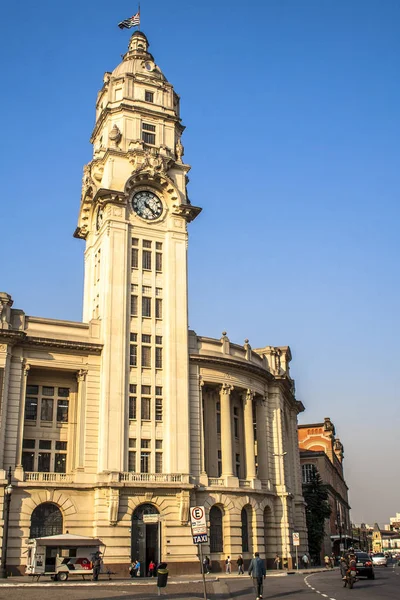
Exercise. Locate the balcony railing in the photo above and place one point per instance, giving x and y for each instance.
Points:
(48, 477)
(244, 483)
(155, 477)
(216, 481)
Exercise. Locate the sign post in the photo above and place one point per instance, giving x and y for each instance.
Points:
(199, 533)
(296, 543)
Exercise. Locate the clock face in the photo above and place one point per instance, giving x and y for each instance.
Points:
(147, 205)
(99, 218)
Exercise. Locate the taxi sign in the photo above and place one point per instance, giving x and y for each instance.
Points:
(200, 539)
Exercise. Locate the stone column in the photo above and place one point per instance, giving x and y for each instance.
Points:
(203, 474)
(226, 432)
(249, 434)
(262, 446)
(21, 419)
(80, 421)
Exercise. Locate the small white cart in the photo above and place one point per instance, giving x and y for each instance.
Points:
(61, 556)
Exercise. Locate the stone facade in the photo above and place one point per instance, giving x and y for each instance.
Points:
(320, 449)
(115, 426)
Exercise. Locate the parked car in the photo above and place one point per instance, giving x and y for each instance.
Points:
(379, 559)
(364, 565)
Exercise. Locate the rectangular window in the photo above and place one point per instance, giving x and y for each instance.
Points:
(133, 338)
(28, 443)
(158, 291)
(159, 461)
(31, 405)
(146, 290)
(47, 391)
(132, 461)
(159, 357)
(146, 339)
(132, 407)
(147, 137)
(146, 306)
(149, 96)
(159, 411)
(218, 409)
(158, 444)
(63, 392)
(159, 340)
(132, 442)
(158, 390)
(145, 404)
(145, 462)
(61, 445)
(133, 355)
(134, 288)
(146, 390)
(158, 262)
(134, 306)
(158, 308)
(132, 388)
(44, 444)
(135, 241)
(219, 466)
(60, 463)
(46, 409)
(28, 461)
(158, 245)
(44, 462)
(237, 465)
(146, 260)
(146, 356)
(236, 421)
(146, 243)
(145, 444)
(135, 258)
(62, 411)
(32, 390)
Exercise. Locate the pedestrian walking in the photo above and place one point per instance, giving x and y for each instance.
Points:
(152, 568)
(206, 565)
(96, 565)
(228, 566)
(327, 561)
(240, 563)
(305, 561)
(277, 561)
(258, 572)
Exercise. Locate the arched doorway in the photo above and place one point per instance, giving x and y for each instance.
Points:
(216, 534)
(46, 520)
(146, 536)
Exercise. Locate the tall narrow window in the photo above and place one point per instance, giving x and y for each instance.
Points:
(146, 260)
(236, 421)
(159, 358)
(46, 409)
(62, 411)
(158, 308)
(159, 409)
(159, 262)
(133, 355)
(237, 457)
(219, 464)
(159, 462)
(144, 462)
(245, 530)
(146, 306)
(148, 133)
(146, 356)
(216, 539)
(134, 306)
(31, 405)
(132, 402)
(132, 455)
(218, 412)
(146, 412)
(135, 258)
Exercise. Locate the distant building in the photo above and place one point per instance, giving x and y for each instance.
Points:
(384, 540)
(394, 522)
(321, 451)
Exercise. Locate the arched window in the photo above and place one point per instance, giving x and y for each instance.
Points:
(144, 509)
(216, 538)
(46, 520)
(308, 471)
(245, 531)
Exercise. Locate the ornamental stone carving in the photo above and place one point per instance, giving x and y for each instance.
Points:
(115, 136)
(113, 505)
(6, 303)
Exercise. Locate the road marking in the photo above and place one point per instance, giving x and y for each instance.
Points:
(313, 588)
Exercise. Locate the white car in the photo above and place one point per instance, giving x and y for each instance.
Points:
(379, 560)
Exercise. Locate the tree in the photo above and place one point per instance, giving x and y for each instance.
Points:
(317, 510)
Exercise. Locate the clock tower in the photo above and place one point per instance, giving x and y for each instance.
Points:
(133, 216)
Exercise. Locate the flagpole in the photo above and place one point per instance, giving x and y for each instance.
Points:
(139, 15)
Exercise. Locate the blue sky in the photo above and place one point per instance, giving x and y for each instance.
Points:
(292, 115)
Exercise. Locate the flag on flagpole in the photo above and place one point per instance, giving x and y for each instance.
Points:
(131, 22)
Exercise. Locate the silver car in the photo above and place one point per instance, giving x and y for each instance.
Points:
(379, 560)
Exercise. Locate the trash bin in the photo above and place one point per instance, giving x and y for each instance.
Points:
(162, 575)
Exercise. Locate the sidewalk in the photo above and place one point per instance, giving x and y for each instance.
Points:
(24, 581)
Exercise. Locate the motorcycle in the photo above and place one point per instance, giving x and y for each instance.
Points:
(350, 578)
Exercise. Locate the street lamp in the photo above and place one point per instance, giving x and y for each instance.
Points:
(281, 455)
(6, 516)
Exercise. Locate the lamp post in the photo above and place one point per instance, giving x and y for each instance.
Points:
(281, 455)
(6, 517)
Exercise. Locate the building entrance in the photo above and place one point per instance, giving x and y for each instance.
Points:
(146, 536)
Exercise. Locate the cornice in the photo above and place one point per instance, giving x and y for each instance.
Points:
(11, 337)
(227, 362)
(86, 347)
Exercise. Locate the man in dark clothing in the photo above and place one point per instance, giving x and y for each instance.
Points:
(96, 566)
(257, 571)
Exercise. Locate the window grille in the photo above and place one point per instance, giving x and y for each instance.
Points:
(159, 358)
(133, 355)
(146, 260)
(159, 409)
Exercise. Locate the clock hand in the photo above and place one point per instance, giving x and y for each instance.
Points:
(147, 205)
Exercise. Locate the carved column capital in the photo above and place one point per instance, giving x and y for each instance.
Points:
(201, 382)
(248, 396)
(226, 388)
(26, 367)
(81, 375)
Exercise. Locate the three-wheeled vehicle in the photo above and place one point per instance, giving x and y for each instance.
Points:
(62, 555)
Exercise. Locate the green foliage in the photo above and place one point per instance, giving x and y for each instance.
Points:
(317, 510)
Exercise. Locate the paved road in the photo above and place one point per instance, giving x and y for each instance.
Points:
(328, 585)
